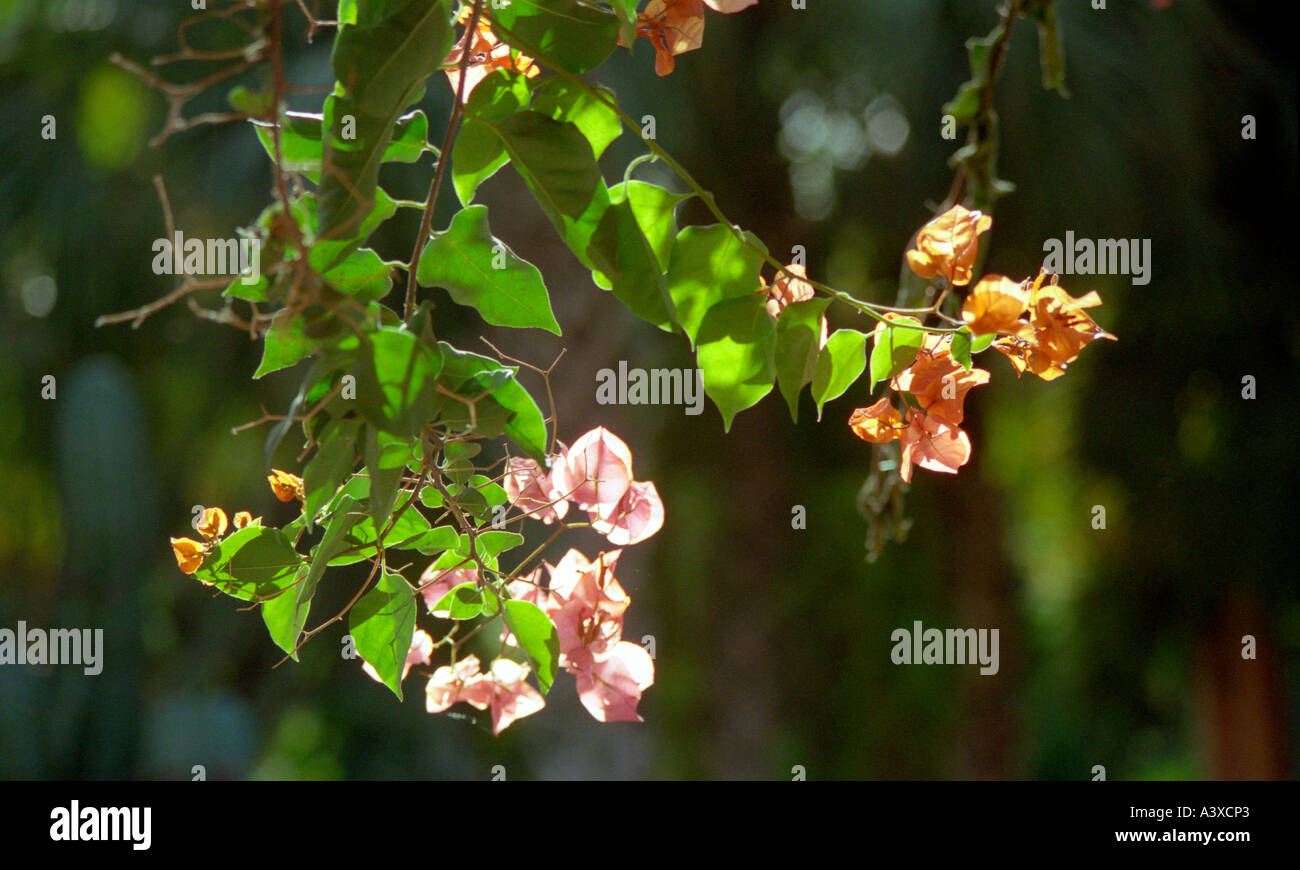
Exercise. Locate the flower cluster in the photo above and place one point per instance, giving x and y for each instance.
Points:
(587, 605)
(677, 26)
(421, 650)
(582, 598)
(213, 525)
(1035, 324)
(212, 528)
(1052, 334)
(594, 475)
(504, 688)
(930, 432)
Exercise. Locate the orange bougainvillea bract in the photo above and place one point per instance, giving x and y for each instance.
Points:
(677, 26)
(878, 424)
(189, 554)
(487, 55)
(1036, 325)
(286, 486)
(947, 246)
(786, 288)
(212, 526)
(994, 305)
(938, 381)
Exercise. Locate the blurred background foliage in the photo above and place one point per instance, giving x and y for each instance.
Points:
(1119, 647)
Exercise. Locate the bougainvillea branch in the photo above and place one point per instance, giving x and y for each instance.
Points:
(420, 455)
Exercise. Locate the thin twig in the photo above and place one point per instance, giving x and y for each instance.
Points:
(444, 154)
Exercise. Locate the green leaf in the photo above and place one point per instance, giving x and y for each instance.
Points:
(578, 232)
(626, 12)
(536, 635)
(435, 540)
(285, 344)
(479, 152)
(330, 468)
(966, 104)
(462, 602)
(737, 343)
(256, 292)
(410, 139)
(493, 543)
(397, 382)
(430, 497)
(557, 164)
(709, 264)
(286, 615)
(270, 567)
(380, 64)
(301, 148)
(628, 266)
(322, 369)
(328, 253)
(363, 275)
(456, 464)
(376, 65)
(410, 531)
(841, 363)
(461, 452)
(382, 624)
(478, 270)
(268, 559)
(385, 461)
(563, 100)
(302, 141)
(354, 147)
(470, 374)
(477, 497)
(357, 487)
(250, 102)
(896, 348)
(1051, 56)
(526, 426)
(964, 344)
(574, 35)
(409, 528)
(960, 348)
(491, 603)
(798, 330)
(555, 160)
(284, 620)
(656, 213)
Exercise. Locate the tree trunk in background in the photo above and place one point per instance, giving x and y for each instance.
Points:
(1241, 706)
(983, 597)
(747, 684)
